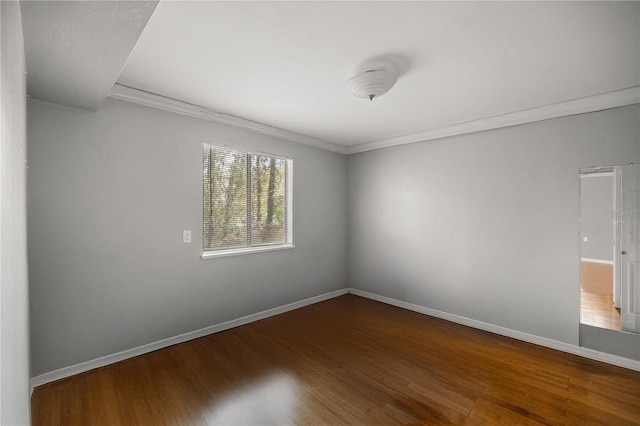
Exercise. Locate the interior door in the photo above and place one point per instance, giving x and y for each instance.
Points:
(628, 214)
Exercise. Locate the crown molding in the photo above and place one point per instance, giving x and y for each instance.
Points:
(152, 100)
(603, 101)
(584, 105)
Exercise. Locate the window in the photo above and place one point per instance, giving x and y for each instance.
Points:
(246, 201)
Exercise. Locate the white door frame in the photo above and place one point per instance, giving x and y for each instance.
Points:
(617, 257)
(627, 210)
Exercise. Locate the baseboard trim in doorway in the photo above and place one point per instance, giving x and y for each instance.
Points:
(588, 259)
(150, 347)
(503, 331)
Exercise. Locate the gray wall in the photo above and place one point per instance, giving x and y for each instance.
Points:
(484, 225)
(618, 343)
(14, 313)
(596, 199)
(109, 195)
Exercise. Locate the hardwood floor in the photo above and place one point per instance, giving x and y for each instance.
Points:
(596, 278)
(596, 296)
(348, 360)
(598, 310)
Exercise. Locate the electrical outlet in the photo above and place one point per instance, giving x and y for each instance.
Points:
(186, 236)
(585, 239)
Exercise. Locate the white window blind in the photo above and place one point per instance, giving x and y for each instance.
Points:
(246, 199)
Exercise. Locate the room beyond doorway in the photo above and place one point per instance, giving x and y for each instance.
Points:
(598, 306)
(610, 247)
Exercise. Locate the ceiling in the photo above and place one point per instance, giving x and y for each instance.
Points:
(284, 64)
(75, 51)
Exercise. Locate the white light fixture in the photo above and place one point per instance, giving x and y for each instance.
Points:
(371, 84)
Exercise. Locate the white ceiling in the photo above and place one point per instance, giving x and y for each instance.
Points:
(284, 64)
(75, 50)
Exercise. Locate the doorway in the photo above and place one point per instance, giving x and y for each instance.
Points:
(610, 247)
(597, 242)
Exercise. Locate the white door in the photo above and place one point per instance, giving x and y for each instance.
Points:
(628, 214)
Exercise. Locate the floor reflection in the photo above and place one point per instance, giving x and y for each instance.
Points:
(270, 400)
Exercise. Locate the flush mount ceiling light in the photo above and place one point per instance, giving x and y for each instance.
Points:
(371, 84)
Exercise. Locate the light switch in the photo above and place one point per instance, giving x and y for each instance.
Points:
(585, 239)
(186, 236)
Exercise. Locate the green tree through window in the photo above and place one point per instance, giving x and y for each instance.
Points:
(245, 199)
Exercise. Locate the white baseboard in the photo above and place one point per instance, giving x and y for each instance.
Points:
(519, 335)
(588, 259)
(140, 350)
(150, 347)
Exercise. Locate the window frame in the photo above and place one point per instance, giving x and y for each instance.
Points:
(258, 248)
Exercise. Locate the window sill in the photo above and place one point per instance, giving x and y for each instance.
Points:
(245, 250)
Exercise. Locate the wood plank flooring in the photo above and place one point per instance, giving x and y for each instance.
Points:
(596, 278)
(596, 296)
(348, 360)
(597, 310)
